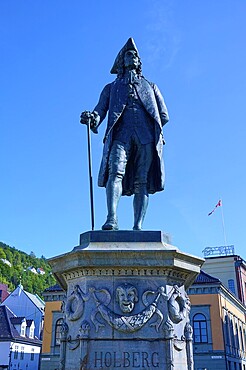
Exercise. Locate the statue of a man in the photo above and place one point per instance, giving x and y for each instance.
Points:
(132, 157)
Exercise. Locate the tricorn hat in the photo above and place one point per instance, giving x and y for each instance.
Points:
(129, 45)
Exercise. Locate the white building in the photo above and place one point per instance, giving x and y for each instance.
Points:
(19, 349)
(25, 304)
(40, 271)
(32, 269)
(6, 262)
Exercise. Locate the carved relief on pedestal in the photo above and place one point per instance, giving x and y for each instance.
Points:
(84, 330)
(188, 333)
(178, 308)
(168, 329)
(178, 305)
(126, 297)
(160, 310)
(175, 309)
(64, 332)
(74, 304)
(84, 351)
(82, 334)
(127, 310)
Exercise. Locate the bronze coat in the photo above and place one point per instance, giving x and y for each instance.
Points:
(113, 100)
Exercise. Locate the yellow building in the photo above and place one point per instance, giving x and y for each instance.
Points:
(219, 329)
(53, 297)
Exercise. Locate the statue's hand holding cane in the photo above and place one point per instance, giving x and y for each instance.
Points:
(90, 118)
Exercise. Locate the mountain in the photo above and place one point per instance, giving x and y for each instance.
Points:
(15, 266)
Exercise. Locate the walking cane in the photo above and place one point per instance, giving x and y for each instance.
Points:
(88, 123)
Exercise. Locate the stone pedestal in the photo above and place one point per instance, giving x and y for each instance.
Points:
(126, 305)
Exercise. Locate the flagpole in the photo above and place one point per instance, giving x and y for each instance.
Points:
(223, 224)
(220, 204)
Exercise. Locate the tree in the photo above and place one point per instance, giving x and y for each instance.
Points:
(20, 261)
(2, 253)
(32, 254)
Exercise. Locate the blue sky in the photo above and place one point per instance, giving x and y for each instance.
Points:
(55, 60)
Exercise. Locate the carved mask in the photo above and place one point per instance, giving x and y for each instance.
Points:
(126, 296)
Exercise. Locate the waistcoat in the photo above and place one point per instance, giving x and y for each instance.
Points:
(134, 120)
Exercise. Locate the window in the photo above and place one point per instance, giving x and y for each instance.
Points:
(231, 286)
(23, 329)
(232, 334)
(32, 354)
(226, 327)
(31, 332)
(200, 328)
(22, 353)
(58, 332)
(16, 353)
(237, 337)
(241, 338)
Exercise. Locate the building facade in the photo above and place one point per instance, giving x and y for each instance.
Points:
(3, 292)
(231, 270)
(219, 328)
(19, 349)
(53, 320)
(26, 304)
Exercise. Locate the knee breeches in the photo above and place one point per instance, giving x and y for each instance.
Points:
(140, 155)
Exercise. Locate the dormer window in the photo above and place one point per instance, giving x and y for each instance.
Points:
(31, 335)
(23, 329)
(30, 328)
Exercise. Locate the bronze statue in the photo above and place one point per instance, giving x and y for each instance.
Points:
(132, 157)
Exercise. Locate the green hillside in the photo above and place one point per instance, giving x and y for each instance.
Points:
(14, 266)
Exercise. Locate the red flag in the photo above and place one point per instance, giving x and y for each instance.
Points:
(219, 204)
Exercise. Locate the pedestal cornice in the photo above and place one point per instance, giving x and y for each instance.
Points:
(125, 253)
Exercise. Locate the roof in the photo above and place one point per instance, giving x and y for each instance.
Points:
(29, 322)
(36, 300)
(235, 257)
(7, 329)
(204, 278)
(54, 288)
(17, 320)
